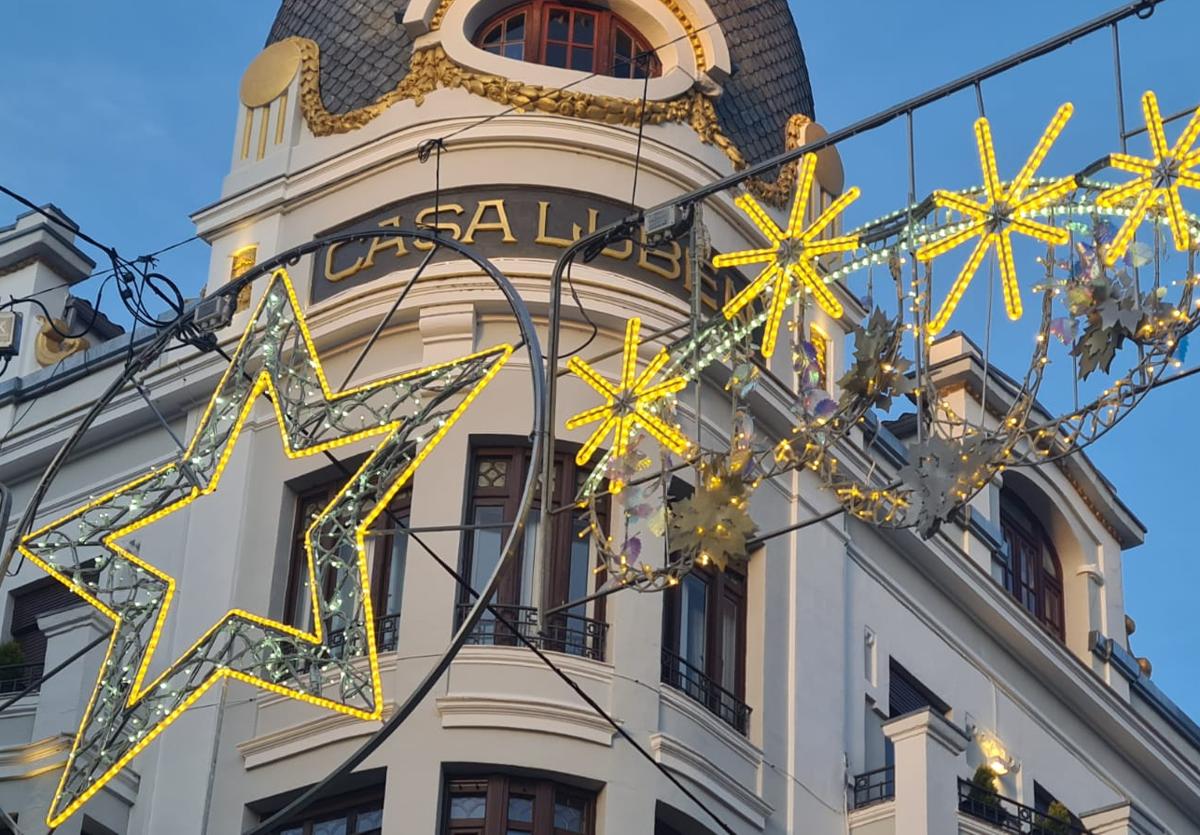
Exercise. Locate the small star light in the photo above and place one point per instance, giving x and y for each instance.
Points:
(996, 218)
(790, 255)
(628, 404)
(1159, 179)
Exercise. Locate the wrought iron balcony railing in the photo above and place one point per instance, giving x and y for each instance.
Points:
(694, 683)
(1010, 816)
(874, 786)
(563, 632)
(16, 677)
(387, 633)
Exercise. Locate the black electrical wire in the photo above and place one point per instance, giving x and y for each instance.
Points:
(317, 790)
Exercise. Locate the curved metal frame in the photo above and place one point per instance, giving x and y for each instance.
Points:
(291, 257)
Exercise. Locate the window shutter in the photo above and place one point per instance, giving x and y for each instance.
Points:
(906, 694)
(30, 603)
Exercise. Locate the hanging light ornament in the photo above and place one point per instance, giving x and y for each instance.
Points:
(1004, 210)
(791, 255)
(1158, 181)
(318, 663)
(628, 405)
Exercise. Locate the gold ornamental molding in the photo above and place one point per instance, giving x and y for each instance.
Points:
(432, 68)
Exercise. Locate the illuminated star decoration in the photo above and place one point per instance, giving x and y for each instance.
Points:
(1002, 212)
(1159, 180)
(312, 662)
(790, 256)
(629, 404)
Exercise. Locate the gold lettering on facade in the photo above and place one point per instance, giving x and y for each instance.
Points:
(543, 237)
(339, 275)
(422, 222)
(501, 224)
(380, 244)
(671, 257)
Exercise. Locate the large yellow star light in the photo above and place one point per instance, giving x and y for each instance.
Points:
(790, 256)
(1004, 210)
(316, 662)
(628, 404)
(1159, 180)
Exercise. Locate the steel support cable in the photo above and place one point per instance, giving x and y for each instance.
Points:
(62, 665)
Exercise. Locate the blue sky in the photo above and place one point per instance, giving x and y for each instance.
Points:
(123, 115)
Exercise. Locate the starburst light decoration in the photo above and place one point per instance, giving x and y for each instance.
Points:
(316, 662)
(790, 256)
(1158, 181)
(629, 404)
(1005, 209)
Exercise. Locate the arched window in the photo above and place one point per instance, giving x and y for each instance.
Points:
(576, 37)
(1028, 566)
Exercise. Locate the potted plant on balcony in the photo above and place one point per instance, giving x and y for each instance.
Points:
(982, 801)
(1056, 821)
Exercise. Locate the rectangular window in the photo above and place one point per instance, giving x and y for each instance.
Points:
(387, 550)
(498, 476)
(358, 814)
(30, 602)
(704, 642)
(502, 805)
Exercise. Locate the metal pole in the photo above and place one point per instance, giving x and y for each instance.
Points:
(1116, 45)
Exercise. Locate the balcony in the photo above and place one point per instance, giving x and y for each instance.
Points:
(387, 633)
(695, 684)
(874, 787)
(1008, 815)
(564, 632)
(16, 677)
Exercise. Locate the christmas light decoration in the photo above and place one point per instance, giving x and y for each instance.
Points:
(629, 404)
(1158, 181)
(790, 256)
(316, 663)
(1005, 210)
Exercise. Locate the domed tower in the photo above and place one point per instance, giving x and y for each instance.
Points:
(513, 127)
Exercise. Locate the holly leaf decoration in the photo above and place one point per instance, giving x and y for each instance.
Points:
(873, 376)
(713, 524)
(944, 474)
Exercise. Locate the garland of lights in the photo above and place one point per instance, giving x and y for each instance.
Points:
(957, 458)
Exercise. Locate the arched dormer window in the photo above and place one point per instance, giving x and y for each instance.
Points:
(585, 38)
(1029, 566)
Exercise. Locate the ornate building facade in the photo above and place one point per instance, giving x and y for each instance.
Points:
(848, 680)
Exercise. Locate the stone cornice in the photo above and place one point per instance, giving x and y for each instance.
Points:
(539, 716)
(926, 723)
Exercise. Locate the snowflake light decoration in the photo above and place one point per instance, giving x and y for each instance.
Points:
(1004, 210)
(1159, 179)
(629, 404)
(790, 256)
